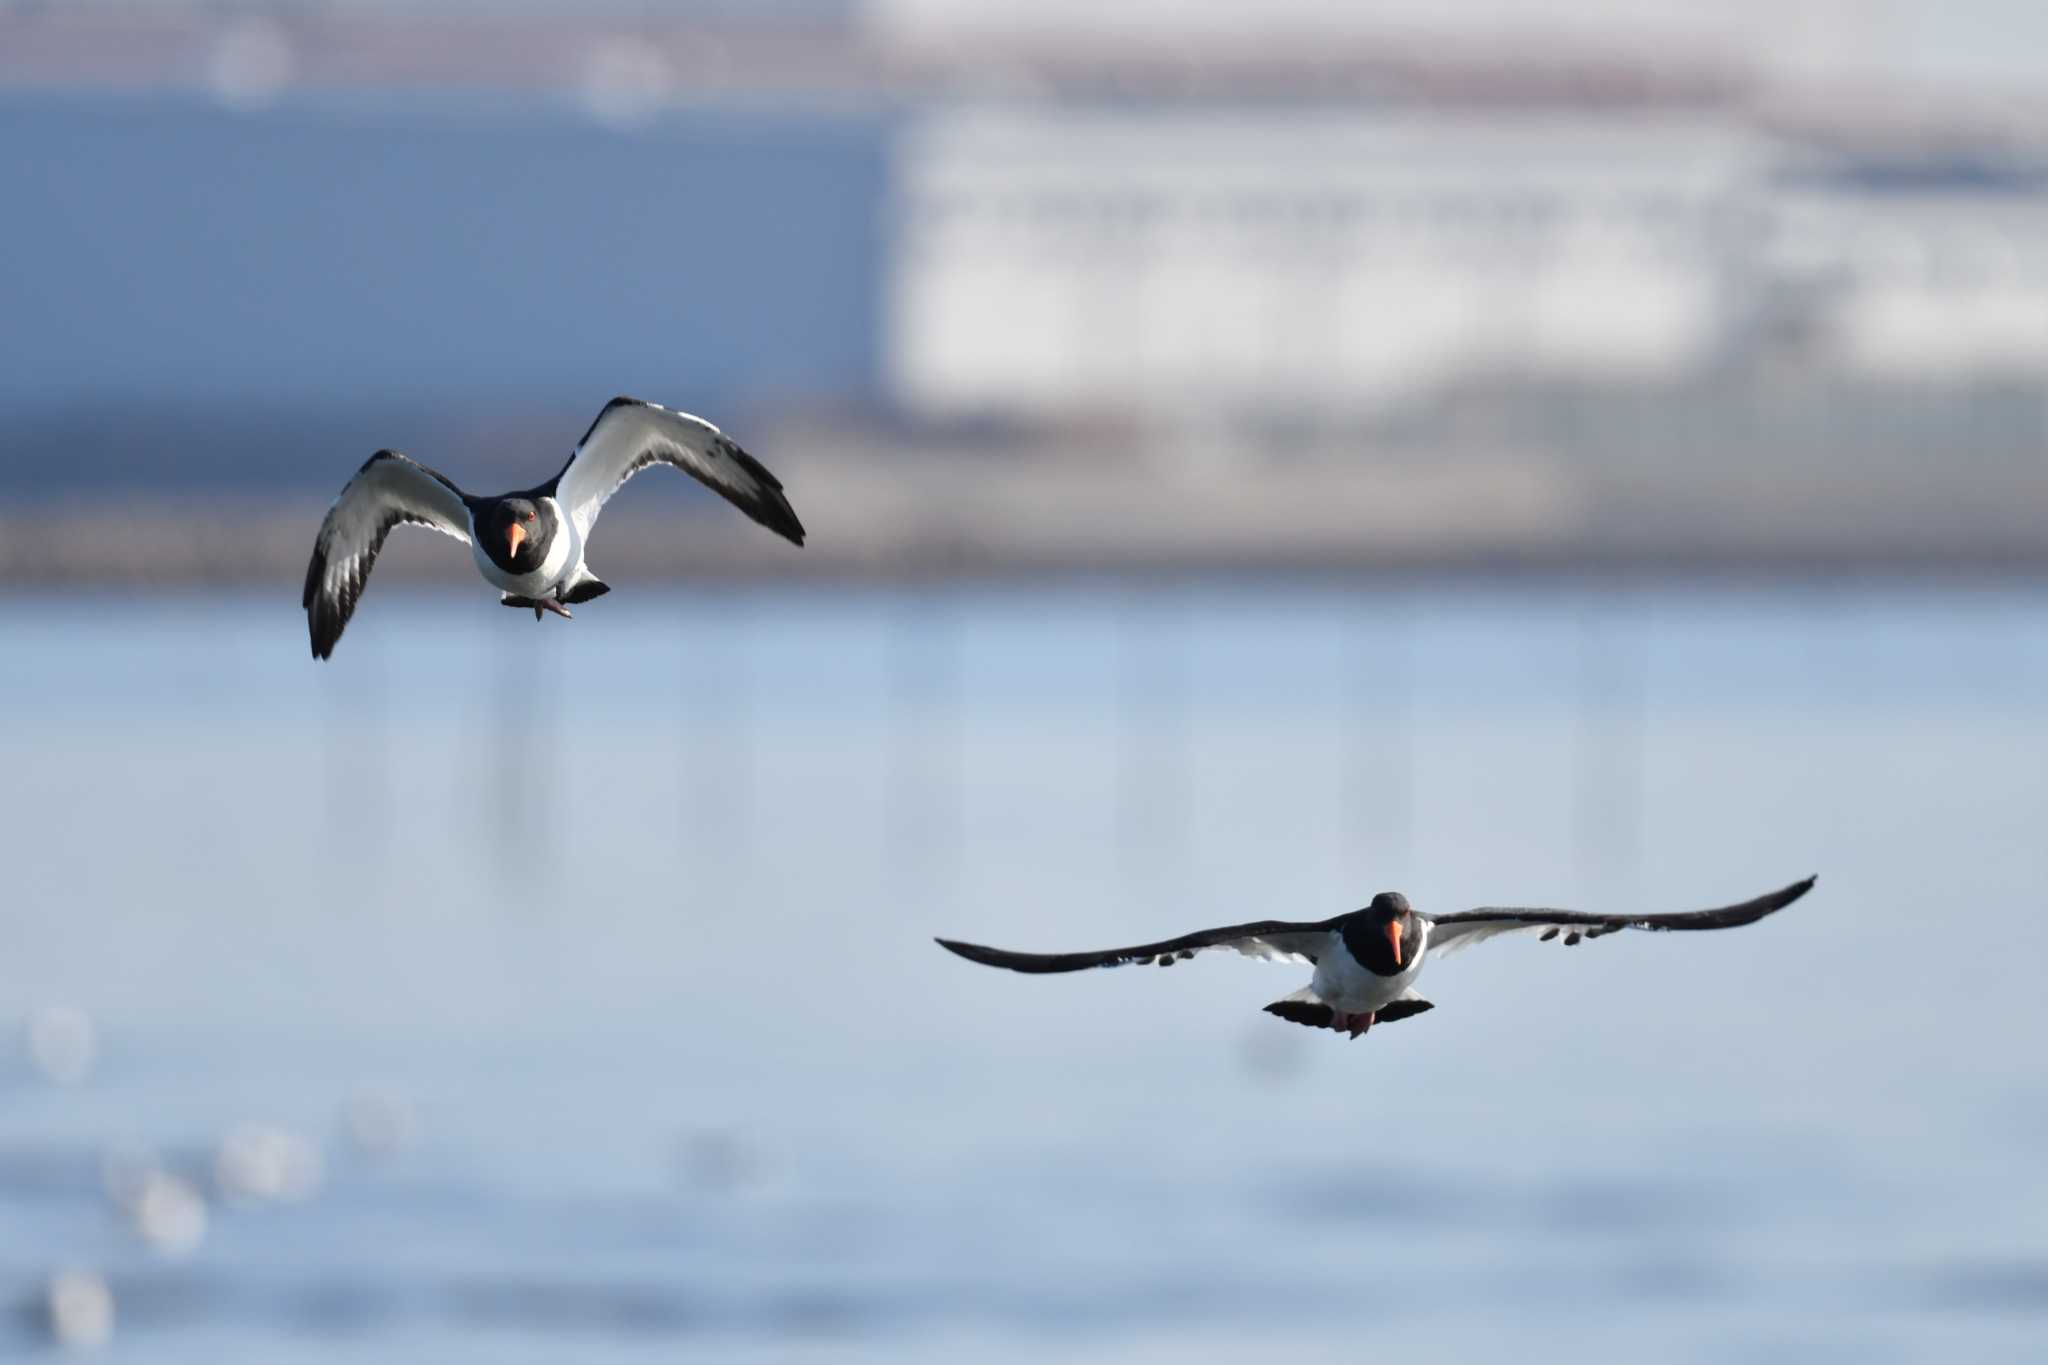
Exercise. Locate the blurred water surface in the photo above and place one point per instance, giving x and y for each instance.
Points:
(594, 961)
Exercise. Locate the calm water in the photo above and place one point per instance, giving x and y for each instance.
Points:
(593, 961)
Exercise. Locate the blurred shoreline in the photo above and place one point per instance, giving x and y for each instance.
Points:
(1496, 483)
(155, 546)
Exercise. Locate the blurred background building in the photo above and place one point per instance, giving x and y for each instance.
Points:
(1420, 286)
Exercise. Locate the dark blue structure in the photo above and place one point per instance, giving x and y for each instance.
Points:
(233, 275)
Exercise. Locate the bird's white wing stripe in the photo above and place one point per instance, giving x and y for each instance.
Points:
(629, 435)
(1259, 947)
(1445, 939)
(1277, 947)
(389, 489)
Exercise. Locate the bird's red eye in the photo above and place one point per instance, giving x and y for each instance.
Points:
(528, 517)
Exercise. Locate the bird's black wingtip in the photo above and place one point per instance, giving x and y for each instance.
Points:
(1772, 902)
(769, 507)
(975, 952)
(775, 513)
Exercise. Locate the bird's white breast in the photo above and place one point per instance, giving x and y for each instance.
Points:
(1341, 983)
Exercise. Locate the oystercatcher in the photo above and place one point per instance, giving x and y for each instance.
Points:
(530, 544)
(1366, 962)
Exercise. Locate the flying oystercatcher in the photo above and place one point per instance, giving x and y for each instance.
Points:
(530, 543)
(1366, 962)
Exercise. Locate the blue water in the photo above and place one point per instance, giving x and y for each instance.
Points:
(629, 918)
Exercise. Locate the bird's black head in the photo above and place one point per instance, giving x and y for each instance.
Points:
(1384, 936)
(515, 533)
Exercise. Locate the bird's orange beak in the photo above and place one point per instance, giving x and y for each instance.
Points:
(515, 535)
(1394, 937)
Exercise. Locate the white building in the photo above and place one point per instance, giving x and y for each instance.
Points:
(1059, 262)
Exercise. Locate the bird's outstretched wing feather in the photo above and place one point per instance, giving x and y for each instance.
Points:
(630, 435)
(1273, 940)
(1450, 932)
(389, 489)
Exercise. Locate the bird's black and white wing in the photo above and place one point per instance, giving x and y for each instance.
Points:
(1273, 940)
(630, 435)
(387, 490)
(1448, 933)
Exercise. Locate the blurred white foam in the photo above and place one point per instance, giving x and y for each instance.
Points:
(61, 1043)
(169, 1213)
(262, 1163)
(79, 1309)
(166, 1210)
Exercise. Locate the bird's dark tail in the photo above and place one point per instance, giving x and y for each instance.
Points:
(1315, 1014)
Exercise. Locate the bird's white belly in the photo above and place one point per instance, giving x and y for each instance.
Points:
(1342, 984)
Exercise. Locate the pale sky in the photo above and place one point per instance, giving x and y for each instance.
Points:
(1936, 41)
(2003, 43)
